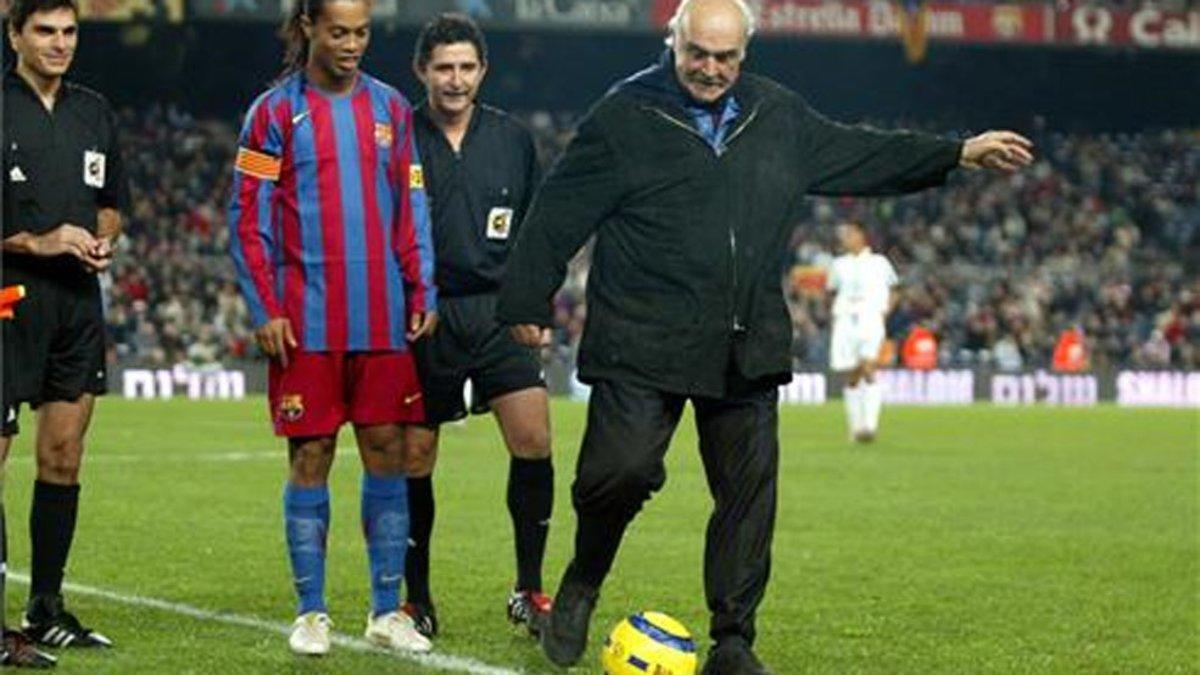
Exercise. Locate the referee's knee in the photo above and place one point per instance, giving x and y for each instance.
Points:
(59, 460)
(420, 452)
(530, 443)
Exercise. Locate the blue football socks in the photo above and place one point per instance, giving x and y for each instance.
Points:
(306, 518)
(385, 526)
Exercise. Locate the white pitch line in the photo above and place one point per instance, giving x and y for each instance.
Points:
(200, 457)
(127, 458)
(447, 662)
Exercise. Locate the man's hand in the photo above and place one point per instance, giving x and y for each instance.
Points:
(998, 150)
(421, 324)
(102, 255)
(531, 335)
(68, 239)
(275, 337)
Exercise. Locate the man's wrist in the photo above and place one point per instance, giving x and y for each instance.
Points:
(24, 242)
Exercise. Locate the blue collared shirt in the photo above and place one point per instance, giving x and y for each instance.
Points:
(706, 122)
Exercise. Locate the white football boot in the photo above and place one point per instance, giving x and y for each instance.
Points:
(310, 634)
(395, 630)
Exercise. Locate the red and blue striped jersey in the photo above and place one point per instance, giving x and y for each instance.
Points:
(328, 217)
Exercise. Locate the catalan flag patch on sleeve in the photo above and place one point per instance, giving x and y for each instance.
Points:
(416, 177)
(258, 164)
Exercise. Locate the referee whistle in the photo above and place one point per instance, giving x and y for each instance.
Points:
(9, 297)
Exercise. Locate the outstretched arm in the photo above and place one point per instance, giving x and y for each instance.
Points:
(861, 160)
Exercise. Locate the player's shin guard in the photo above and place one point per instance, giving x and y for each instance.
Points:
(872, 394)
(306, 520)
(51, 531)
(421, 514)
(852, 397)
(385, 526)
(3, 559)
(530, 501)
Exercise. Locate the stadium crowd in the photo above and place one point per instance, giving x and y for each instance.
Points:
(1097, 236)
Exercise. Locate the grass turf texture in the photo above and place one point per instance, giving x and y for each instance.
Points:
(964, 540)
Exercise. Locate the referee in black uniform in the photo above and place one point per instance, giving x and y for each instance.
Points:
(64, 190)
(480, 172)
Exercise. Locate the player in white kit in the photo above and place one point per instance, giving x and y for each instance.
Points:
(862, 282)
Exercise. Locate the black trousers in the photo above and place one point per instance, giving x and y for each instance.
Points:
(621, 464)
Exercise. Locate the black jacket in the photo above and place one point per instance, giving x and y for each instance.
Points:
(686, 272)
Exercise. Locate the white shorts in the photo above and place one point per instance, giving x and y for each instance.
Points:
(854, 341)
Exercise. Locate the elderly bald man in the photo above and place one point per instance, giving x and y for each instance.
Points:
(691, 174)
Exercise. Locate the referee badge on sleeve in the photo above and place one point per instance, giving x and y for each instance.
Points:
(499, 223)
(93, 169)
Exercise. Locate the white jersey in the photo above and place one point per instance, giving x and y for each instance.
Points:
(862, 283)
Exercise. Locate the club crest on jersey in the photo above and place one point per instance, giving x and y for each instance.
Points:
(383, 135)
(416, 177)
(291, 407)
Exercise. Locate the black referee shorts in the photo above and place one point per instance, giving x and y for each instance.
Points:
(469, 343)
(53, 347)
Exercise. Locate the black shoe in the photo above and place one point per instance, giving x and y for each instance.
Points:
(733, 657)
(424, 617)
(19, 652)
(47, 623)
(530, 609)
(564, 637)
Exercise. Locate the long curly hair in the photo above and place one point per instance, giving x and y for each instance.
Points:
(295, 55)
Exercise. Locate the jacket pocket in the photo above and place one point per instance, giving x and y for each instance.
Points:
(652, 349)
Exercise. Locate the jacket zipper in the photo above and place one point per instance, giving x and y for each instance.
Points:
(737, 321)
(682, 125)
(741, 127)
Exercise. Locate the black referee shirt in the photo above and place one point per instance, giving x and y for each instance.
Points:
(60, 166)
(478, 196)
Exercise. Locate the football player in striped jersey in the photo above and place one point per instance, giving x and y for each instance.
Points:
(330, 238)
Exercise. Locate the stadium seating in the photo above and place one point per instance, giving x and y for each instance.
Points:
(1096, 236)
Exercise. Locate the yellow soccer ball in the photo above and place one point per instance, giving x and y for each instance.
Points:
(649, 643)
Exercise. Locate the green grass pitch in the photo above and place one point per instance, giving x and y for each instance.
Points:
(966, 540)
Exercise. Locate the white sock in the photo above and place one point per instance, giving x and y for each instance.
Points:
(872, 397)
(853, 398)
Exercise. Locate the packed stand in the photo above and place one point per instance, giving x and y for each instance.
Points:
(172, 297)
(1095, 236)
